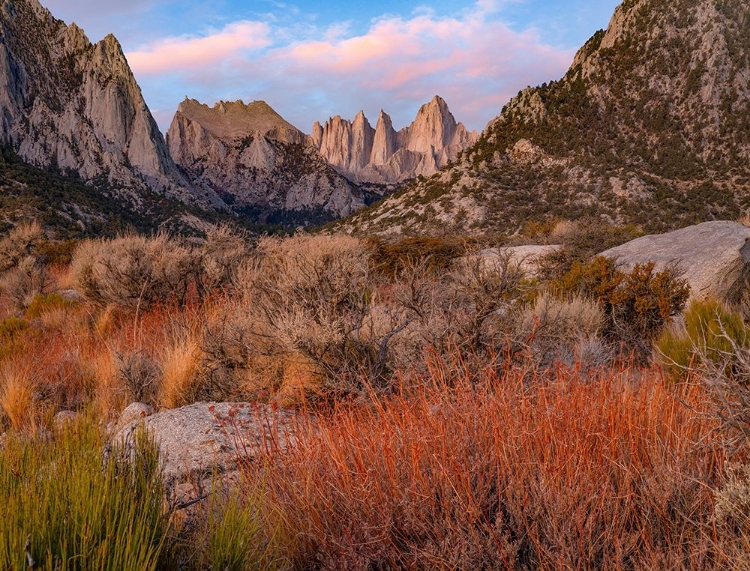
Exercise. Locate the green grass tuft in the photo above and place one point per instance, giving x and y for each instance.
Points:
(67, 506)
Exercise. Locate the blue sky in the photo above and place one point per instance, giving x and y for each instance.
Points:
(314, 59)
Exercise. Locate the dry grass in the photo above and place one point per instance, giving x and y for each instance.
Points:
(180, 369)
(110, 393)
(557, 329)
(500, 464)
(17, 398)
(574, 474)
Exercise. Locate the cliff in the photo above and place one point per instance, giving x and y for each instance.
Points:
(75, 106)
(383, 155)
(257, 162)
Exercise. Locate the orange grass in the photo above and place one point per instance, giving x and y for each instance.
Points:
(70, 350)
(576, 473)
(180, 372)
(17, 396)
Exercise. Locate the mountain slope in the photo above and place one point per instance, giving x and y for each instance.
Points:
(651, 126)
(73, 105)
(258, 163)
(385, 156)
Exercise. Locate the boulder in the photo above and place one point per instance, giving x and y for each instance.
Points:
(714, 256)
(133, 412)
(528, 258)
(203, 439)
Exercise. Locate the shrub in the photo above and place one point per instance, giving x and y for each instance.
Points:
(12, 327)
(133, 272)
(556, 327)
(227, 340)
(68, 506)
(14, 336)
(139, 373)
(709, 330)
(220, 258)
(714, 344)
(310, 297)
(42, 304)
(57, 253)
(483, 297)
(28, 279)
(732, 507)
(582, 240)
(390, 258)
(636, 305)
(22, 242)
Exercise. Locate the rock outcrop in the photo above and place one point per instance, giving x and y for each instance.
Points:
(74, 105)
(384, 155)
(255, 160)
(714, 256)
(203, 439)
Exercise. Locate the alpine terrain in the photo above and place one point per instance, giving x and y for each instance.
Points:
(650, 126)
(258, 162)
(74, 105)
(384, 155)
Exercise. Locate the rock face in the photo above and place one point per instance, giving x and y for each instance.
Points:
(68, 103)
(198, 440)
(650, 126)
(715, 257)
(383, 155)
(256, 160)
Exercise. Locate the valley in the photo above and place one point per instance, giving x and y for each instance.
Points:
(235, 345)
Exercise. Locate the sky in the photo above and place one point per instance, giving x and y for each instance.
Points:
(314, 59)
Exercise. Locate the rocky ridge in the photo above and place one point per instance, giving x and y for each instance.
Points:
(257, 161)
(650, 126)
(384, 155)
(73, 105)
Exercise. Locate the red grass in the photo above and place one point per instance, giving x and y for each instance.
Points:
(576, 473)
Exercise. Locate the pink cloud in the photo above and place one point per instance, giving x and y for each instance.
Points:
(474, 60)
(188, 53)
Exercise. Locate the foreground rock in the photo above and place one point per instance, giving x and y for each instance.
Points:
(714, 256)
(206, 439)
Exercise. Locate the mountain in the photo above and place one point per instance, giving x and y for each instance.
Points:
(75, 107)
(69, 208)
(650, 126)
(383, 155)
(258, 163)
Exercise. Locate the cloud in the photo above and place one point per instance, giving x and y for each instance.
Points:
(186, 53)
(473, 59)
